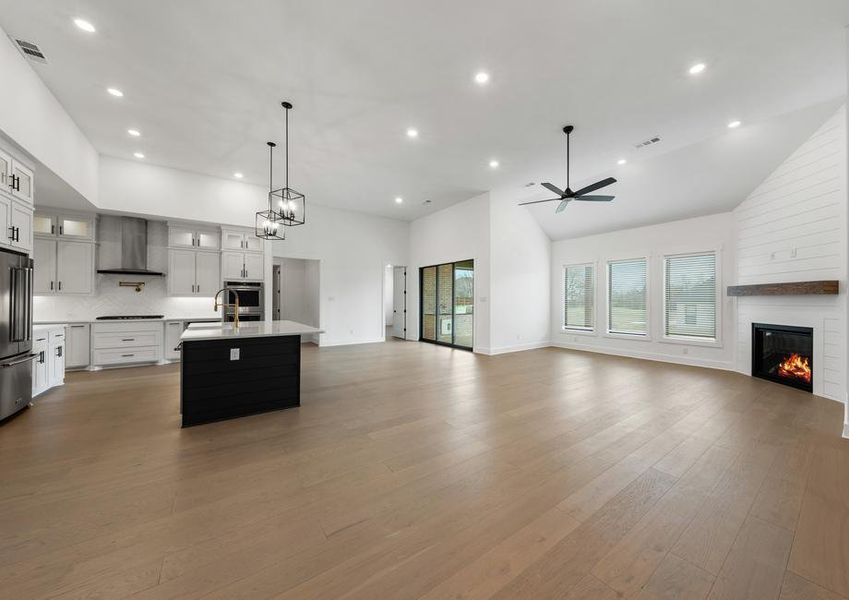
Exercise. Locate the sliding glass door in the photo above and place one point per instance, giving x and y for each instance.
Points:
(447, 304)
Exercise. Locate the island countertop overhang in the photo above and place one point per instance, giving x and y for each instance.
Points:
(249, 329)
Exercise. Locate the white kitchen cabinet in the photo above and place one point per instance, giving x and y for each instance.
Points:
(173, 331)
(132, 342)
(180, 236)
(242, 266)
(23, 181)
(49, 363)
(70, 226)
(193, 273)
(44, 271)
(15, 224)
(62, 267)
(57, 357)
(235, 239)
(74, 267)
(5, 170)
(41, 363)
(77, 345)
(20, 220)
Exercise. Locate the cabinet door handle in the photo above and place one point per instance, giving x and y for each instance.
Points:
(17, 234)
(51, 286)
(52, 230)
(59, 352)
(61, 230)
(12, 233)
(60, 286)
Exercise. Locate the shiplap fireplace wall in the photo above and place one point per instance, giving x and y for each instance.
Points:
(793, 227)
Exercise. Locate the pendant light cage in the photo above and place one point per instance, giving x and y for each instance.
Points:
(269, 225)
(290, 204)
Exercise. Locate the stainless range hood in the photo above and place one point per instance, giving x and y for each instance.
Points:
(133, 250)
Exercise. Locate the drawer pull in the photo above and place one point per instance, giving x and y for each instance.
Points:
(127, 355)
(128, 339)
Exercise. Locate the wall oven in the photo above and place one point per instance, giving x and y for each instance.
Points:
(251, 300)
(16, 354)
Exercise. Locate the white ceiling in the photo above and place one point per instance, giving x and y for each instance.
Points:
(203, 81)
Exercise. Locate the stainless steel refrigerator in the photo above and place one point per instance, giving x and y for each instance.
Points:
(16, 354)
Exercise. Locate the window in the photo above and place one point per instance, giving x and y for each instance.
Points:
(690, 295)
(578, 296)
(626, 297)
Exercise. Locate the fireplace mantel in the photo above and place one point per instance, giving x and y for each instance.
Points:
(794, 288)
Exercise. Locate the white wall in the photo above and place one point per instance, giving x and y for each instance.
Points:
(388, 285)
(299, 292)
(145, 189)
(520, 281)
(713, 232)
(459, 232)
(353, 249)
(32, 117)
(793, 227)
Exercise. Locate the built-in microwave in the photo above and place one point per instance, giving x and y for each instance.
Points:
(250, 298)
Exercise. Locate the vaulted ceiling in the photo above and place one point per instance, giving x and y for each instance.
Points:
(202, 81)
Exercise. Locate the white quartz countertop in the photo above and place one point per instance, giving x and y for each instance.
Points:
(248, 329)
(162, 320)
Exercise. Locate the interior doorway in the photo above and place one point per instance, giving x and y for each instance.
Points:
(399, 302)
(446, 311)
(295, 292)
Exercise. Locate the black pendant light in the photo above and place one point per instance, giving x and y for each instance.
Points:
(290, 204)
(268, 223)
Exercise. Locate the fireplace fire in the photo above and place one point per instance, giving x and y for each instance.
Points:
(796, 366)
(784, 354)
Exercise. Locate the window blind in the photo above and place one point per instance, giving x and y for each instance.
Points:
(579, 294)
(626, 300)
(690, 296)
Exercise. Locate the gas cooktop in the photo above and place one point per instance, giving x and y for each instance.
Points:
(128, 317)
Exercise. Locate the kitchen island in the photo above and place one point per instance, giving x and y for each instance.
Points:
(228, 372)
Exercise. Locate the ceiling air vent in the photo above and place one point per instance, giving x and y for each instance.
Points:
(649, 142)
(31, 51)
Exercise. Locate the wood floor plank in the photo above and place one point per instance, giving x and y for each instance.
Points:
(542, 474)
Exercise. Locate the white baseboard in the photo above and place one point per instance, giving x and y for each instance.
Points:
(678, 360)
(846, 430)
(515, 348)
(357, 343)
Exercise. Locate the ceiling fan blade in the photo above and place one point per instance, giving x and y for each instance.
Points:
(595, 198)
(596, 186)
(540, 201)
(554, 189)
(562, 206)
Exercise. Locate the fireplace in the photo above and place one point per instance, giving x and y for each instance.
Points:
(784, 354)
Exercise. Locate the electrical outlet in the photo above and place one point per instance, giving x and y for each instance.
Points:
(234, 354)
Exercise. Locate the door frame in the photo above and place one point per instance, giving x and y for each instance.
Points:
(453, 305)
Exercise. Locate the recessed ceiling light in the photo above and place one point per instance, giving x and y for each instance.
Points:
(84, 25)
(621, 161)
(134, 132)
(734, 124)
(697, 68)
(238, 175)
(493, 164)
(115, 92)
(481, 77)
(412, 132)
(398, 200)
(138, 154)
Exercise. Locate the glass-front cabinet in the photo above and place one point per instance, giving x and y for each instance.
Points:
(447, 304)
(80, 227)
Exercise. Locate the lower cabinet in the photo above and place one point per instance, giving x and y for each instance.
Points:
(49, 363)
(173, 331)
(77, 345)
(114, 344)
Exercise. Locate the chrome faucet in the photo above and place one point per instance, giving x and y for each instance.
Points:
(225, 306)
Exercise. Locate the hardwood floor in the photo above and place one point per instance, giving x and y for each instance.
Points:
(417, 471)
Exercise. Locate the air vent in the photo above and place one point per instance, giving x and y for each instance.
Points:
(648, 142)
(31, 51)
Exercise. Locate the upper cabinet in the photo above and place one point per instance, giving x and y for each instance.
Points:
(66, 226)
(182, 236)
(240, 239)
(63, 253)
(5, 171)
(15, 224)
(22, 182)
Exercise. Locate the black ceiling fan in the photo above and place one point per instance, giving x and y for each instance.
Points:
(566, 196)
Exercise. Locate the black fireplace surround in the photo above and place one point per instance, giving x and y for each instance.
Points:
(783, 354)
